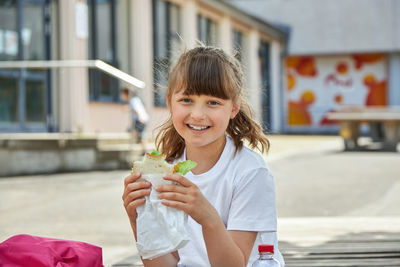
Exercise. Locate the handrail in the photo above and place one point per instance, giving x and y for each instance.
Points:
(50, 64)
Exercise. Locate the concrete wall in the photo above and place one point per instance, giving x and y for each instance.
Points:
(53, 152)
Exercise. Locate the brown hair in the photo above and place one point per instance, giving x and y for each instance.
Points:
(209, 70)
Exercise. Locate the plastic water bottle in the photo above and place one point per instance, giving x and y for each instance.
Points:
(266, 258)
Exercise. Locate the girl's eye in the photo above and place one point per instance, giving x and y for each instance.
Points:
(186, 100)
(213, 103)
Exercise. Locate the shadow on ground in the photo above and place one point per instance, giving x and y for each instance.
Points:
(358, 249)
(353, 250)
(131, 261)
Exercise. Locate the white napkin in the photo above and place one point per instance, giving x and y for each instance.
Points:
(160, 229)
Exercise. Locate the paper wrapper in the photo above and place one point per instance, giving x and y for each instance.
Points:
(160, 229)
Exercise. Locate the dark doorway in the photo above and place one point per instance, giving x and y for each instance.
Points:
(264, 55)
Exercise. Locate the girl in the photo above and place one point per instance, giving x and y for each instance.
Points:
(229, 196)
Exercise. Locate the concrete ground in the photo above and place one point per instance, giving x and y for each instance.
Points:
(322, 193)
(325, 194)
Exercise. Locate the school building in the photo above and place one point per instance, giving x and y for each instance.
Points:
(340, 53)
(73, 93)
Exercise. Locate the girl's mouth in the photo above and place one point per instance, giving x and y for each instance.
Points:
(197, 128)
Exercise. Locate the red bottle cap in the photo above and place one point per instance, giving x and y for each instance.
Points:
(266, 248)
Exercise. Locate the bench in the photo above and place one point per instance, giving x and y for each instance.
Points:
(350, 119)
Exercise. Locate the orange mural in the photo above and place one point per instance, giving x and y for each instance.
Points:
(298, 111)
(361, 59)
(338, 98)
(331, 82)
(377, 91)
(291, 62)
(290, 81)
(342, 68)
(304, 66)
(325, 121)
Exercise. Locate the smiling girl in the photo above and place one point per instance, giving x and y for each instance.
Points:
(229, 196)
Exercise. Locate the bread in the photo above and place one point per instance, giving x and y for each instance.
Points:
(152, 164)
(153, 167)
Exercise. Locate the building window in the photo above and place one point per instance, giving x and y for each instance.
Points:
(238, 44)
(107, 20)
(167, 44)
(207, 30)
(9, 30)
(26, 94)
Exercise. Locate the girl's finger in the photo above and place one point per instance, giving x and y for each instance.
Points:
(135, 186)
(175, 204)
(173, 196)
(132, 196)
(171, 188)
(132, 178)
(131, 206)
(178, 179)
(138, 185)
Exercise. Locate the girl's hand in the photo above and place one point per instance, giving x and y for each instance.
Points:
(134, 193)
(186, 196)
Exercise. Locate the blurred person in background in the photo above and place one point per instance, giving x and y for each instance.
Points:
(139, 115)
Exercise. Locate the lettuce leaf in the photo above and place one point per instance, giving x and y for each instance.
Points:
(185, 166)
(155, 153)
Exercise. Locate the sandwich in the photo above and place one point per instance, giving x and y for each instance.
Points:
(154, 165)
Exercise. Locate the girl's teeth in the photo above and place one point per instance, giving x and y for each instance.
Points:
(197, 127)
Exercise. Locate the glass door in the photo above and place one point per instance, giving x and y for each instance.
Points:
(8, 101)
(34, 48)
(25, 94)
(8, 79)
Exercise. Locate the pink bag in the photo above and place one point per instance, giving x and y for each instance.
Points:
(35, 251)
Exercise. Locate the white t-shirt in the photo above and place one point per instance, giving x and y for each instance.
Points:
(138, 109)
(241, 189)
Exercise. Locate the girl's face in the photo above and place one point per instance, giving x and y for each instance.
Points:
(201, 120)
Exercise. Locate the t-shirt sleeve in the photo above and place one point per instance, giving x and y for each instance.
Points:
(253, 205)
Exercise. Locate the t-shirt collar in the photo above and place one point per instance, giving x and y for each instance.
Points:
(221, 163)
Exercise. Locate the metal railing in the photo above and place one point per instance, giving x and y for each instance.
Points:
(51, 64)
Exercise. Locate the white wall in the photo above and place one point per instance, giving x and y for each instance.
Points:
(74, 97)
(394, 79)
(254, 75)
(338, 26)
(142, 49)
(277, 103)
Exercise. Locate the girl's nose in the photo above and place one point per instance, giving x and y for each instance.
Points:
(197, 113)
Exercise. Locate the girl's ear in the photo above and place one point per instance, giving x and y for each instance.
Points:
(235, 108)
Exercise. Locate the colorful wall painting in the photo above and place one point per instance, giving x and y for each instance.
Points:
(316, 85)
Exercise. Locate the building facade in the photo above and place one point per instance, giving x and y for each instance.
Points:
(340, 53)
(139, 37)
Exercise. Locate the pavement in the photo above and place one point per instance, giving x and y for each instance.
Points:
(323, 194)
